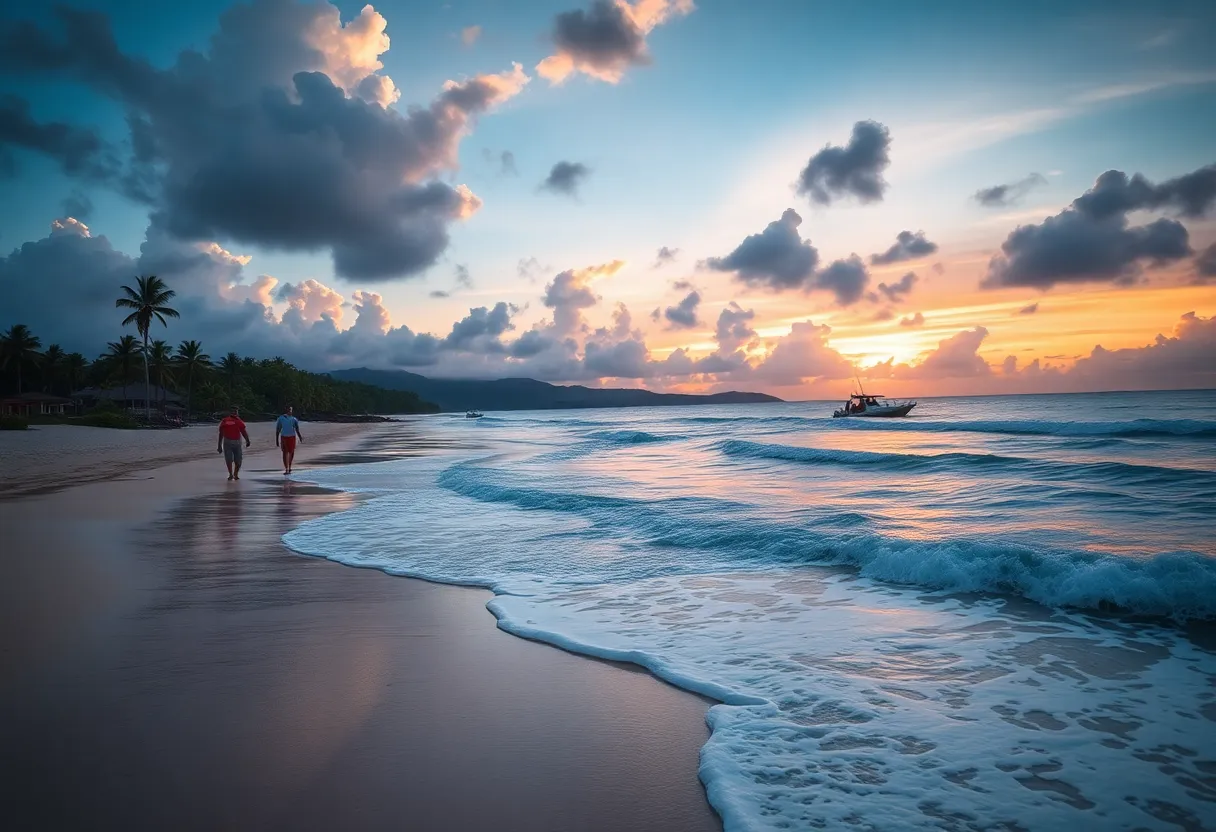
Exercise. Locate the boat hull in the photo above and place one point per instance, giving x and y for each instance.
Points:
(878, 412)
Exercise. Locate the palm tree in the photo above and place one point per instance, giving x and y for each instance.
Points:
(160, 358)
(120, 358)
(148, 302)
(74, 365)
(190, 355)
(52, 366)
(18, 347)
(230, 366)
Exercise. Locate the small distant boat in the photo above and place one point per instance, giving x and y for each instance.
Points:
(472, 414)
(864, 404)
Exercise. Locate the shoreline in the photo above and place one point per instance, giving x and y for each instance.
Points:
(49, 458)
(175, 663)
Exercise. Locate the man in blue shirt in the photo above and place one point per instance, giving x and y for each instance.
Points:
(286, 433)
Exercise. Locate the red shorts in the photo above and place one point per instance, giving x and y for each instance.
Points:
(288, 443)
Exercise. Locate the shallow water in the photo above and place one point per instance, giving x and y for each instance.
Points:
(992, 614)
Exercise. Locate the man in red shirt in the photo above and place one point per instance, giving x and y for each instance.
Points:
(229, 442)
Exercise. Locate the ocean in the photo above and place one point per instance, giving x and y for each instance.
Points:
(997, 613)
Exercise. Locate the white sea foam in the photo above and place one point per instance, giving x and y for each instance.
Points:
(856, 697)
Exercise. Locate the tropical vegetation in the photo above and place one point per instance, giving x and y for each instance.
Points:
(257, 386)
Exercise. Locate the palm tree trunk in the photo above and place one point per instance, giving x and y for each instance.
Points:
(147, 383)
(18, 375)
(189, 387)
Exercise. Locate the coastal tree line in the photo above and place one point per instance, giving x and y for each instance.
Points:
(204, 384)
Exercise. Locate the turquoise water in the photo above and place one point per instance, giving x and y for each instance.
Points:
(992, 614)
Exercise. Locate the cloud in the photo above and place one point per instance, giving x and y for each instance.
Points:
(529, 268)
(1001, 196)
(1205, 263)
(1029, 310)
(482, 325)
(854, 170)
(77, 204)
(1114, 194)
(665, 255)
(1169, 363)
(279, 135)
(570, 292)
(504, 160)
(908, 246)
(1071, 247)
(776, 259)
(566, 178)
(1091, 240)
(916, 320)
(899, 290)
(604, 40)
(802, 355)
(78, 151)
(463, 280)
(69, 263)
(310, 301)
(734, 328)
(846, 279)
(469, 35)
(684, 314)
(955, 357)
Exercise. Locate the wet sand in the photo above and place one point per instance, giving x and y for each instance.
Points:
(49, 457)
(165, 662)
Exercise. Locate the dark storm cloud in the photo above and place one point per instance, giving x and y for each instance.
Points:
(1072, 247)
(60, 286)
(601, 36)
(484, 324)
(77, 204)
(78, 151)
(1114, 193)
(846, 279)
(566, 178)
(900, 289)
(684, 314)
(853, 170)
(908, 246)
(1205, 262)
(252, 141)
(1001, 196)
(776, 258)
(1092, 241)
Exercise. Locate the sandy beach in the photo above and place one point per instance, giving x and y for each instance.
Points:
(167, 663)
(47, 457)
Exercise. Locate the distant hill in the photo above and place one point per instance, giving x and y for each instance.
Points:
(528, 394)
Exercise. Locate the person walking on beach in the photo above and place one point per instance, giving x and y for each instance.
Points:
(229, 442)
(286, 433)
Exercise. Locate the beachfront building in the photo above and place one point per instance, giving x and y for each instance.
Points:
(132, 397)
(36, 404)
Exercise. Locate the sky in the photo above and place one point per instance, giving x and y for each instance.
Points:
(943, 198)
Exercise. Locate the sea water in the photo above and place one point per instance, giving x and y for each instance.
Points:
(993, 614)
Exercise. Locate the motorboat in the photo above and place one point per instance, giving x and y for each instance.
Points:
(472, 414)
(865, 404)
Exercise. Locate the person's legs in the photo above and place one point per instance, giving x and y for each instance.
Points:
(289, 453)
(229, 458)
